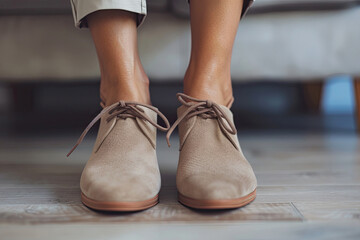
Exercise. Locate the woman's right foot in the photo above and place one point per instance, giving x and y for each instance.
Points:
(122, 173)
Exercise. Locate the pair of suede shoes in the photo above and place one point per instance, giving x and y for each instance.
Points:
(123, 174)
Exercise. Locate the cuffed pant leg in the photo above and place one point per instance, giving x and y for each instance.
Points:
(82, 8)
(246, 6)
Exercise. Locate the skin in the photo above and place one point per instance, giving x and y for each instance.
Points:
(213, 28)
(114, 33)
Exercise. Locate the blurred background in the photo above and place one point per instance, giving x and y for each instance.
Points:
(296, 81)
(294, 67)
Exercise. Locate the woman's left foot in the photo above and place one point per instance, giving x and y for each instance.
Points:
(212, 171)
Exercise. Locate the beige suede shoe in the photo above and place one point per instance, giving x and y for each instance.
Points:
(212, 170)
(122, 173)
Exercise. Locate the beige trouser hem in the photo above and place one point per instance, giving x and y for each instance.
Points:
(246, 5)
(82, 8)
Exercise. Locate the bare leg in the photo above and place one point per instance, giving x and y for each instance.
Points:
(214, 25)
(122, 76)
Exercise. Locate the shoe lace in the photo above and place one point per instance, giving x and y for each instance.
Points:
(124, 110)
(204, 109)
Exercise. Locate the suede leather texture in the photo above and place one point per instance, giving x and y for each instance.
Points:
(211, 164)
(123, 165)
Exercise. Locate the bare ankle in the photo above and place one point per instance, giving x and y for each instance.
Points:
(214, 87)
(210, 93)
(128, 89)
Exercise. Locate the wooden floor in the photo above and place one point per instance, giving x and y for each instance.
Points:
(309, 188)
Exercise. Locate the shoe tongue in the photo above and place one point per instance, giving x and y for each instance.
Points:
(186, 126)
(148, 130)
(148, 112)
(226, 109)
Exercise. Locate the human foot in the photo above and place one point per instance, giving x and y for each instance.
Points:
(122, 173)
(212, 171)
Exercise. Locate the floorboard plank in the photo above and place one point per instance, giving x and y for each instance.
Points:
(72, 213)
(326, 211)
(194, 231)
(307, 185)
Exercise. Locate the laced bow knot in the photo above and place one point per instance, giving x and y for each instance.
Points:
(125, 110)
(205, 109)
(122, 103)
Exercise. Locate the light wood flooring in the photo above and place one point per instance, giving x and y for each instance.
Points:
(309, 188)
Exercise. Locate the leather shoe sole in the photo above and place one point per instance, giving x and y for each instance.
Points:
(119, 206)
(217, 204)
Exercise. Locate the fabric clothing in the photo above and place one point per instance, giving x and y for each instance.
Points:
(82, 8)
(246, 5)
